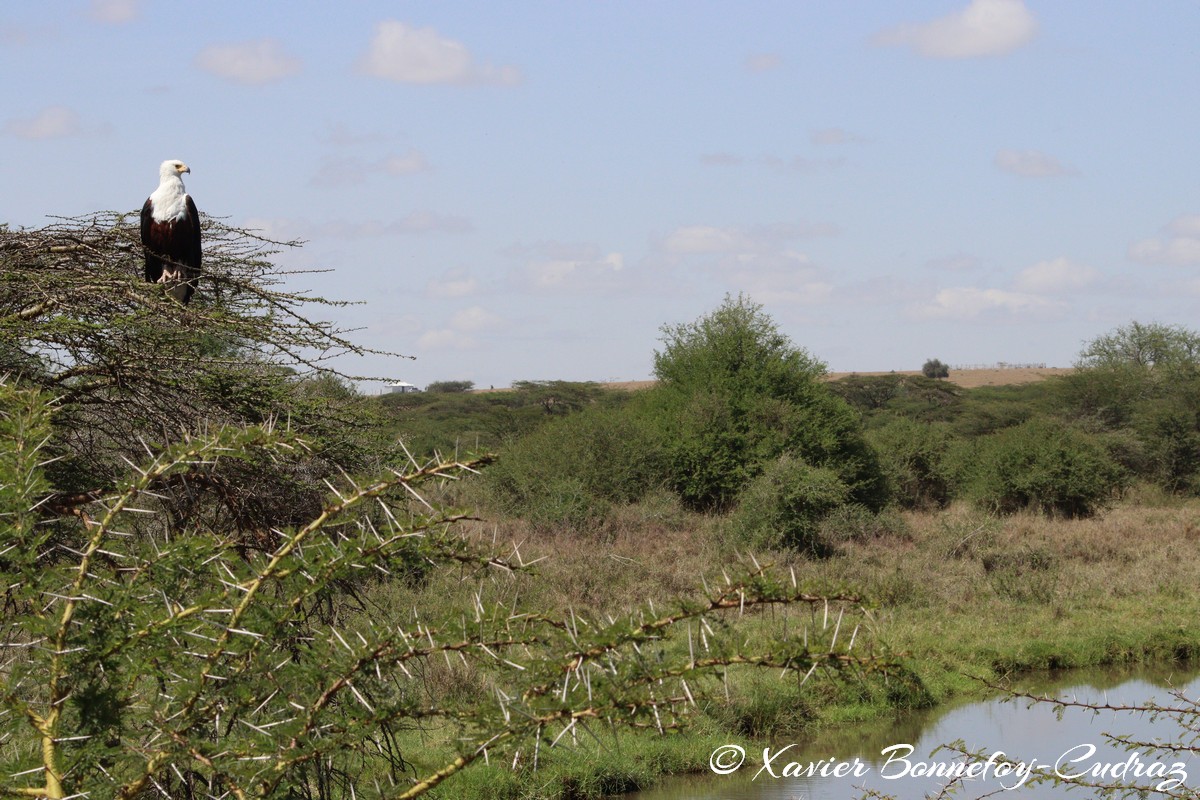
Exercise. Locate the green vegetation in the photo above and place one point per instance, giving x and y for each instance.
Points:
(784, 506)
(229, 574)
(480, 422)
(734, 394)
(450, 386)
(734, 397)
(1041, 465)
(201, 561)
(934, 368)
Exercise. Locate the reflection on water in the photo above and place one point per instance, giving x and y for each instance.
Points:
(1023, 732)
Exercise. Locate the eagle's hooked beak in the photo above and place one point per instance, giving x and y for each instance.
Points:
(184, 168)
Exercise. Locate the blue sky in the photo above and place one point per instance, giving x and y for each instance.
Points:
(530, 190)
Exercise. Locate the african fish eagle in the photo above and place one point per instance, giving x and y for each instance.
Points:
(171, 233)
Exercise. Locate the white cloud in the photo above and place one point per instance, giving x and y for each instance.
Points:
(763, 62)
(1055, 276)
(1031, 164)
(1180, 247)
(453, 283)
(115, 12)
(707, 239)
(475, 318)
(253, 63)
(1187, 225)
(405, 163)
(402, 53)
(983, 28)
(969, 302)
(416, 222)
(446, 339)
(459, 334)
(1180, 251)
(353, 171)
(570, 266)
(786, 278)
(572, 272)
(52, 122)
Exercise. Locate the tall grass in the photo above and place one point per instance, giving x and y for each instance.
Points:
(957, 593)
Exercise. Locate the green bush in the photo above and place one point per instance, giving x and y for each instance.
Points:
(913, 455)
(934, 368)
(1170, 430)
(570, 470)
(1042, 465)
(784, 507)
(450, 386)
(734, 395)
(481, 422)
(1141, 384)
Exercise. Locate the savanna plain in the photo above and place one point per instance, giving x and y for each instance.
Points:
(229, 573)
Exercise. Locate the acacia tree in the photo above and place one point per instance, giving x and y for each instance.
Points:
(176, 623)
(129, 368)
(935, 368)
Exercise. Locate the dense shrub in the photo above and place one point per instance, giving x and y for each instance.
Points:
(1042, 465)
(481, 422)
(1170, 431)
(569, 470)
(734, 395)
(913, 396)
(450, 386)
(1141, 382)
(784, 507)
(933, 368)
(912, 456)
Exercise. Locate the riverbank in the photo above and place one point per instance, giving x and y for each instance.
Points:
(956, 596)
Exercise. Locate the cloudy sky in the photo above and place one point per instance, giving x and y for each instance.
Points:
(531, 190)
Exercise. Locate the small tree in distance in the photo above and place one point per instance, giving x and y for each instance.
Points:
(450, 386)
(934, 368)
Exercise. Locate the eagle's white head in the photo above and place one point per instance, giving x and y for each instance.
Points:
(172, 168)
(169, 200)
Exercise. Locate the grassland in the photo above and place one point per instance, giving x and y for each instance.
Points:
(956, 596)
(961, 591)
